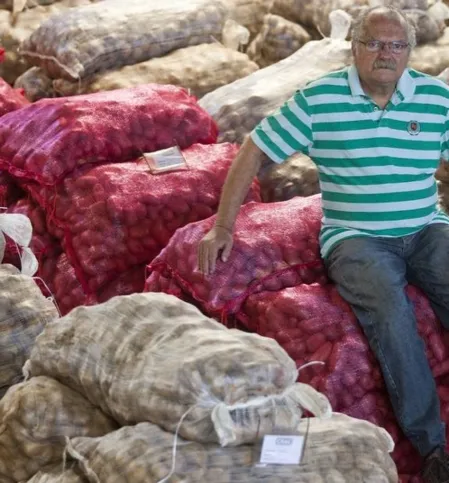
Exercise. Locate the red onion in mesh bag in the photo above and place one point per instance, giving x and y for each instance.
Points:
(50, 138)
(275, 246)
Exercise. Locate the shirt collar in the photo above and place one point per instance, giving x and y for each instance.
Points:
(405, 87)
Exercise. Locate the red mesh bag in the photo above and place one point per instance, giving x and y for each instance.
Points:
(10, 192)
(117, 216)
(42, 243)
(11, 99)
(275, 246)
(60, 278)
(313, 323)
(50, 138)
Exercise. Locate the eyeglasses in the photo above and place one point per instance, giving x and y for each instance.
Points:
(397, 47)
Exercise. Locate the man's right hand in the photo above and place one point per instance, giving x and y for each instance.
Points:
(218, 239)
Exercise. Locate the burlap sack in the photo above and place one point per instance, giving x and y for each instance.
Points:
(36, 417)
(277, 39)
(431, 58)
(91, 39)
(24, 312)
(315, 14)
(14, 29)
(152, 357)
(200, 68)
(340, 449)
(68, 473)
(239, 107)
(297, 176)
(36, 84)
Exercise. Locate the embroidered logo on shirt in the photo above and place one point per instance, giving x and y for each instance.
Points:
(413, 128)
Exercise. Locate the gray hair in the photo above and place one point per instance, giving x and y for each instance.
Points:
(393, 13)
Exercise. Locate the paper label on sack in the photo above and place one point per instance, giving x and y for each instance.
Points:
(164, 160)
(282, 449)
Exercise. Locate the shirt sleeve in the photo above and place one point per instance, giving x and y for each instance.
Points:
(287, 131)
(445, 140)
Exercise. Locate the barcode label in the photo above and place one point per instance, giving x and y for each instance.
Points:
(165, 160)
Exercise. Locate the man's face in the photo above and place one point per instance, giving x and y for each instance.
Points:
(383, 66)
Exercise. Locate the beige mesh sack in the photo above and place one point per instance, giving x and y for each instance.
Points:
(278, 39)
(249, 13)
(36, 417)
(201, 68)
(24, 312)
(15, 29)
(36, 84)
(297, 176)
(431, 58)
(61, 473)
(93, 38)
(340, 449)
(315, 14)
(239, 107)
(427, 28)
(152, 357)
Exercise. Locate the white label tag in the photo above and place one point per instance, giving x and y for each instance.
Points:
(165, 160)
(281, 450)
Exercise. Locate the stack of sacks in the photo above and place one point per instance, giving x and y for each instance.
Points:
(313, 323)
(81, 160)
(24, 312)
(160, 56)
(234, 385)
(115, 217)
(240, 106)
(222, 388)
(16, 27)
(337, 449)
(274, 283)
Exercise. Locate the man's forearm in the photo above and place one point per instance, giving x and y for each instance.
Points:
(243, 170)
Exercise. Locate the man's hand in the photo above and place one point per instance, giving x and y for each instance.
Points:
(218, 239)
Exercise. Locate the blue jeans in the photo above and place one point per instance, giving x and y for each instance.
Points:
(371, 275)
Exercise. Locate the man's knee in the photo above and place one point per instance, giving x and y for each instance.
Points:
(363, 266)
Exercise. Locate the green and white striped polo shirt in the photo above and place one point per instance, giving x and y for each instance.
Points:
(376, 167)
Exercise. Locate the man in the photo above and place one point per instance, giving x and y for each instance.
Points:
(376, 131)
